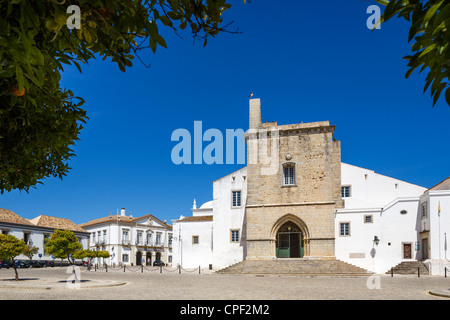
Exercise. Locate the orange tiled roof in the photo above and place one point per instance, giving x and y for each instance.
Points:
(114, 218)
(56, 223)
(197, 218)
(443, 185)
(7, 215)
(122, 219)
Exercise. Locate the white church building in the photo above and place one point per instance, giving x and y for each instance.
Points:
(379, 221)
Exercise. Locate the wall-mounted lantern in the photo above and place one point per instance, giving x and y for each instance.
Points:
(376, 241)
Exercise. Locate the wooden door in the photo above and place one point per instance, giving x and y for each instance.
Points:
(424, 249)
(407, 251)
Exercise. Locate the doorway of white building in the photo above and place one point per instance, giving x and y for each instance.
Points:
(407, 250)
(138, 258)
(424, 249)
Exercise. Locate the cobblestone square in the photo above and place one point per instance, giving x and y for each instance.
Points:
(149, 284)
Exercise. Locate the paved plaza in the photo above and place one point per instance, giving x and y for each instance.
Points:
(149, 284)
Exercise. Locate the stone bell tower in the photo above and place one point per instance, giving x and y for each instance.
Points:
(293, 187)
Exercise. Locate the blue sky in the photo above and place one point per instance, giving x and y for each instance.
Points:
(306, 62)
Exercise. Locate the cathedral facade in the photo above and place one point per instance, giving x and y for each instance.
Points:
(295, 199)
(293, 188)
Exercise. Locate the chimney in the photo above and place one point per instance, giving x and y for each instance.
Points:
(255, 114)
(122, 212)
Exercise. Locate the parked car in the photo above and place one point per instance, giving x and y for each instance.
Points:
(4, 264)
(23, 264)
(158, 263)
(36, 264)
(48, 263)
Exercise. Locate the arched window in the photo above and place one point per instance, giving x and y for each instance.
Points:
(289, 174)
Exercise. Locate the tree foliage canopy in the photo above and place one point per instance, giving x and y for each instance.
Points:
(430, 23)
(87, 253)
(30, 251)
(62, 243)
(10, 248)
(40, 121)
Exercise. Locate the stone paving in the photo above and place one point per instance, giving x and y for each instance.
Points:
(56, 284)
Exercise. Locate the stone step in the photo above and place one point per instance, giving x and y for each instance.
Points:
(409, 267)
(295, 266)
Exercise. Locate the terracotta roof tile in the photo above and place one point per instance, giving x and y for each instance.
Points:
(56, 223)
(443, 185)
(196, 218)
(7, 215)
(122, 219)
(107, 219)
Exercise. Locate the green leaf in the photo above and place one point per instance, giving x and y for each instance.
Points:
(152, 43)
(447, 96)
(19, 77)
(166, 21)
(430, 13)
(87, 36)
(427, 49)
(408, 73)
(160, 40)
(383, 2)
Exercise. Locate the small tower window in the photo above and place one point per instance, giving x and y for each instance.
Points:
(289, 174)
(345, 191)
(236, 201)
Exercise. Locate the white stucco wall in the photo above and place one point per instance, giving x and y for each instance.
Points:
(383, 198)
(370, 189)
(392, 228)
(227, 218)
(187, 254)
(439, 227)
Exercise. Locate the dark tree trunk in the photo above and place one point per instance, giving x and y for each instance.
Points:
(15, 269)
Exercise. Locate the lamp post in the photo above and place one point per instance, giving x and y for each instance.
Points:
(376, 241)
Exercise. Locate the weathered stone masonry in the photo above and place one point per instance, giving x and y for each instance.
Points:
(310, 203)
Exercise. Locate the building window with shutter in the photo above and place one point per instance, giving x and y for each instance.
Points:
(344, 229)
(234, 235)
(236, 199)
(345, 192)
(289, 178)
(424, 210)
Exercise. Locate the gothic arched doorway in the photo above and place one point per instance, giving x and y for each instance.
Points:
(138, 258)
(289, 241)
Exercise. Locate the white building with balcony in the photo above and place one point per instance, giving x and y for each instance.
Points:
(131, 241)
